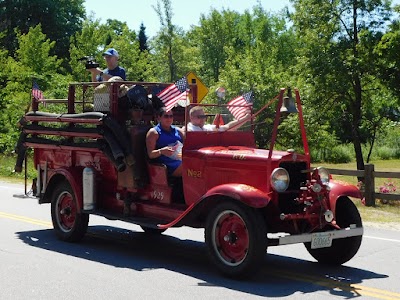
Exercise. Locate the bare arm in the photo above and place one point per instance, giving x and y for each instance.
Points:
(235, 124)
(151, 140)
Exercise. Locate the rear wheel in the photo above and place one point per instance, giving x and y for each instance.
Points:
(342, 250)
(68, 223)
(235, 236)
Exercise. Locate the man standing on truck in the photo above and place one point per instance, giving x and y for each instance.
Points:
(111, 57)
(198, 121)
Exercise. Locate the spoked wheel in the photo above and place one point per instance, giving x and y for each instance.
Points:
(342, 250)
(236, 239)
(68, 224)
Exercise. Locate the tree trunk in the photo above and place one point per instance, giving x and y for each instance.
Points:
(356, 113)
(356, 109)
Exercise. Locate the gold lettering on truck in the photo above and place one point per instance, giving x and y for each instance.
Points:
(194, 173)
(239, 156)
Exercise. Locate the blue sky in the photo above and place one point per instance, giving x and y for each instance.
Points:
(186, 13)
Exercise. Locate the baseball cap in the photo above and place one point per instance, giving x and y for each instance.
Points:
(111, 52)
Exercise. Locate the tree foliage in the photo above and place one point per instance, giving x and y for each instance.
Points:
(341, 54)
(59, 19)
(337, 58)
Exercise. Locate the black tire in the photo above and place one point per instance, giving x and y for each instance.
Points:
(342, 250)
(152, 231)
(69, 225)
(236, 239)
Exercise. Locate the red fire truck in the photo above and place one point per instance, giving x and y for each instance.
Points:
(91, 159)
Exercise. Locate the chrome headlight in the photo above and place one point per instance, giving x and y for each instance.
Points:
(324, 175)
(280, 180)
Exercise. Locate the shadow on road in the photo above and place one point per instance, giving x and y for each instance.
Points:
(280, 276)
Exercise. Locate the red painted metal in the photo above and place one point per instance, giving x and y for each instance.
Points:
(302, 126)
(67, 211)
(231, 237)
(342, 189)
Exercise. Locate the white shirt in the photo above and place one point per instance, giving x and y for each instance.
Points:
(206, 127)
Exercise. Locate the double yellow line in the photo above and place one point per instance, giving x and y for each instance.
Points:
(25, 219)
(328, 282)
(337, 285)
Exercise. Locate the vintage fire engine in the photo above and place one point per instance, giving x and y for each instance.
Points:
(91, 160)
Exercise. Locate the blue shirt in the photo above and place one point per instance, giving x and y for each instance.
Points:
(118, 71)
(168, 139)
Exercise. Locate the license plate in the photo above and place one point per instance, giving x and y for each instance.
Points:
(321, 240)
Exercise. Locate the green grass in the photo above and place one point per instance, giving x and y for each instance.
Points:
(7, 173)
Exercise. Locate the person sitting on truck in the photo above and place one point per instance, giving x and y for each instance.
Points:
(111, 57)
(164, 143)
(198, 121)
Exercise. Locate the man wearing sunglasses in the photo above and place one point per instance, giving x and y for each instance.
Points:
(164, 143)
(198, 121)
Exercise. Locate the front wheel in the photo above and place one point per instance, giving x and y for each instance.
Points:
(342, 250)
(68, 223)
(236, 240)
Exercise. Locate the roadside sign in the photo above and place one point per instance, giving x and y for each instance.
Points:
(202, 90)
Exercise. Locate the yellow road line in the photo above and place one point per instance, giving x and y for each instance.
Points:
(355, 289)
(25, 219)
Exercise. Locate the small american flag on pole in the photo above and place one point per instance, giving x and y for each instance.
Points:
(36, 92)
(241, 105)
(173, 93)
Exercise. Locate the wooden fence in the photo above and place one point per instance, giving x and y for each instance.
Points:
(369, 175)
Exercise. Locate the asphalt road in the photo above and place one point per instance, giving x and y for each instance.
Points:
(117, 260)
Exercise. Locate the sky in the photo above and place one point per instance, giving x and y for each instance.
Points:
(185, 13)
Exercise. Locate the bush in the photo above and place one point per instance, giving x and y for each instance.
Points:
(386, 153)
(339, 154)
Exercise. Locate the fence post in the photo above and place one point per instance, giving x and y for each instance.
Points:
(369, 185)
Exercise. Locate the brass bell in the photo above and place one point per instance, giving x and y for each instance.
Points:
(288, 104)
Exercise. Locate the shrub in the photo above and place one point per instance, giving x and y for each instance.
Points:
(385, 153)
(339, 154)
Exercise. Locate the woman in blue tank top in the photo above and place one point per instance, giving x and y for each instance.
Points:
(164, 143)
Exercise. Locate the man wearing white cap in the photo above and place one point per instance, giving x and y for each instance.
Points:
(113, 69)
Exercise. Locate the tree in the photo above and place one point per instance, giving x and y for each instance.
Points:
(389, 62)
(90, 41)
(168, 42)
(142, 38)
(59, 19)
(337, 60)
(217, 31)
(33, 61)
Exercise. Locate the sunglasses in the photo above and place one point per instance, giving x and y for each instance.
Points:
(201, 116)
(168, 116)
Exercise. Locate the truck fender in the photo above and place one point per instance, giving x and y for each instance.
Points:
(342, 189)
(73, 176)
(244, 193)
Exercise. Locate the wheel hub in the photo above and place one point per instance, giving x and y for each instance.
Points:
(231, 237)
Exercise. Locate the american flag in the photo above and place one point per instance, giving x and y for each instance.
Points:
(241, 105)
(36, 92)
(175, 92)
